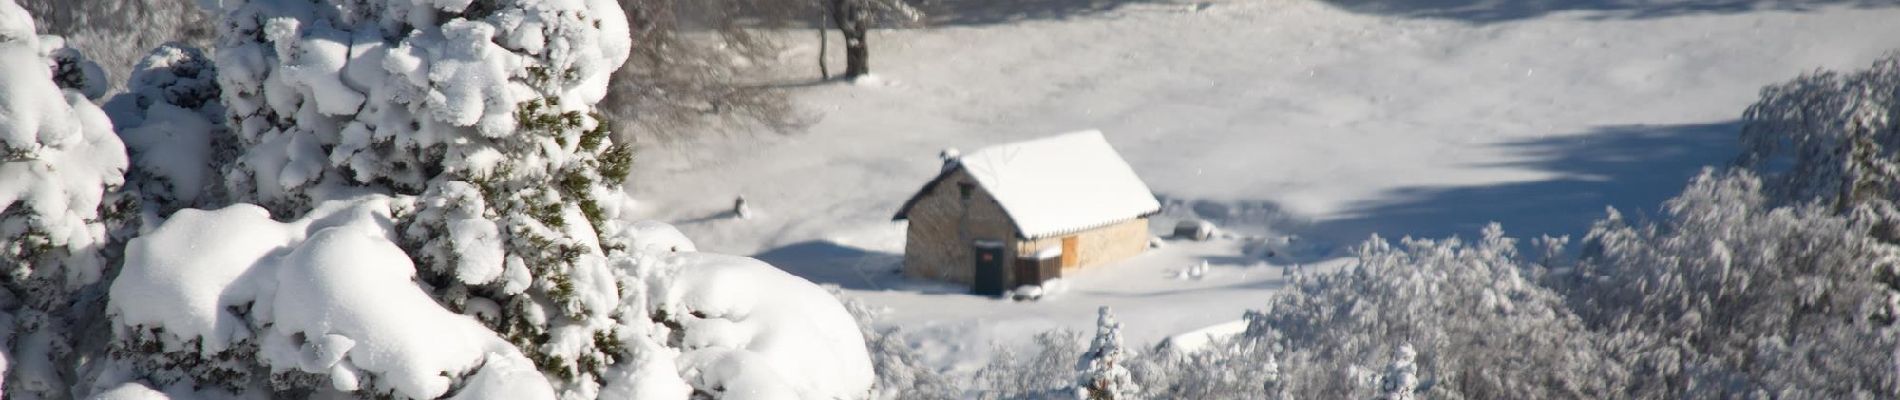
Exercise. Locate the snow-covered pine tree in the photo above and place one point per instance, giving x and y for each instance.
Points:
(60, 167)
(1102, 372)
(482, 108)
(172, 122)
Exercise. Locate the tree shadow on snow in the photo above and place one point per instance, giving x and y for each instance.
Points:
(825, 262)
(1633, 168)
(1495, 11)
(991, 12)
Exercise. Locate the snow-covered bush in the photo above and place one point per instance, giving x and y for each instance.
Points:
(1729, 297)
(743, 329)
(60, 168)
(324, 303)
(1223, 369)
(172, 122)
(1047, 373)
(1467, 309)
(1726, 296)
(327, 303)
(901, 373)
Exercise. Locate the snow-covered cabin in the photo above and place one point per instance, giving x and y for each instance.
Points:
(1022, 213)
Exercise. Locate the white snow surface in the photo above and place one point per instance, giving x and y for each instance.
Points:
(1198, 339)
(1332, 119)
(329, 294)
(761, 333)
(1060, 184)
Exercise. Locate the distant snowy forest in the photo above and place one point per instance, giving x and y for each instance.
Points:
(423, 199)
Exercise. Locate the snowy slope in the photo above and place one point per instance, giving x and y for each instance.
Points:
(1327, 120)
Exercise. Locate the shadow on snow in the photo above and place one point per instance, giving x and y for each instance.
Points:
(992, 12)
(824, 262)
(1633, 168)
(1495, 11)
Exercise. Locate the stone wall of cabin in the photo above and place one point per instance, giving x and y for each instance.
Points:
(942, 226)
(1098, 246)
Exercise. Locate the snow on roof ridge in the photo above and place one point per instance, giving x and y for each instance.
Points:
(1061, 184)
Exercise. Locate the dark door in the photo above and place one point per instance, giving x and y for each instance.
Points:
(989, 269)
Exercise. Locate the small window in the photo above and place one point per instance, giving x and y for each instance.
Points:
(964, 189)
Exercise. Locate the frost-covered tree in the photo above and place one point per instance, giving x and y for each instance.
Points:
(1102, 372)
(1827, 136)
(1467, 310)
(60, 167)
(1728, 296)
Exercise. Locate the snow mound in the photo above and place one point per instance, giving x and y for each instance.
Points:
(1197, 340)
(759, 333)
(330, 294)
(131, 391)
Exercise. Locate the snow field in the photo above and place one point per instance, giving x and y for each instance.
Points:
(1297, 117)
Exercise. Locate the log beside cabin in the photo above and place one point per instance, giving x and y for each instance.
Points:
(1054, 205)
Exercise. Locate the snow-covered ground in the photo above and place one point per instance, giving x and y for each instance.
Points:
(1330, 120)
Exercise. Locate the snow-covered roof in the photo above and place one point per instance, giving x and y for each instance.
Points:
(1056, 185)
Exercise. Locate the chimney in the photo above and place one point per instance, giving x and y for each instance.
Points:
(950, 157)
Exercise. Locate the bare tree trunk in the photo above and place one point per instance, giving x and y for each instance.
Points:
(857, 54)
(854, 21)
(824, 44)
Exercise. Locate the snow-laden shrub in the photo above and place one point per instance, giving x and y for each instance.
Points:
(1222, 369)
(60, 167)
(1726, 296)
(1729, 297)
(901, 372)
(328, 304)
(1047, 373)
(741, 329)
(1467, 310)
(324, 303)
(172, 122)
